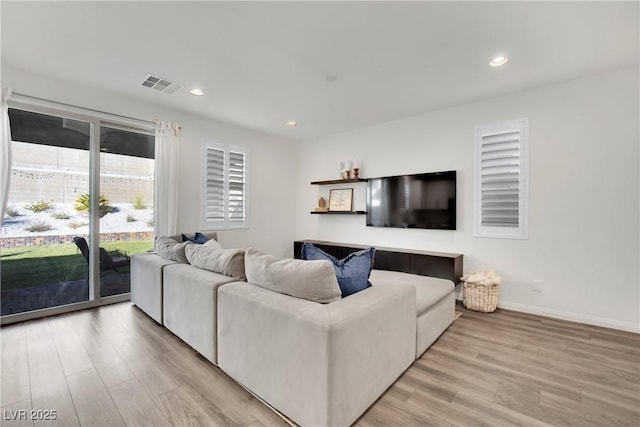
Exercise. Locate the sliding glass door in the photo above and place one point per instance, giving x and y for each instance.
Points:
(126, 204)
(80, 204)
(39, 267)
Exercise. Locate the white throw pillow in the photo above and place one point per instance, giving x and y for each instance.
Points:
(229, 262)
(171, 249)
(310, 280)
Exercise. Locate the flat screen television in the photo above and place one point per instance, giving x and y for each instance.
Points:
(426, 200)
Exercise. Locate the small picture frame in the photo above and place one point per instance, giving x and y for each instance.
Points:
(340, 200)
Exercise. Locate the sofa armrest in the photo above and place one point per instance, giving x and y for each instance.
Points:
(319, 364)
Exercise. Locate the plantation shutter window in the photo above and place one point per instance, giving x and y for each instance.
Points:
(236, 187)
(214, 188)
(501, 180)
(225, 187)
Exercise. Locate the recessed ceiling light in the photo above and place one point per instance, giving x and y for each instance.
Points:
(196, 92)
(291, 123)
(498, 61)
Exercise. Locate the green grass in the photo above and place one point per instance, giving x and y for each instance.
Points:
(38, 265)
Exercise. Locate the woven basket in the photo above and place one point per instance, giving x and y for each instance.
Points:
(480, 298)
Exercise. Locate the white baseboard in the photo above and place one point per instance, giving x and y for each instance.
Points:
(572, 317)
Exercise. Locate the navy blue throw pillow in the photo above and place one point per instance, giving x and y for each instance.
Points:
(198, 238)
(352, 272)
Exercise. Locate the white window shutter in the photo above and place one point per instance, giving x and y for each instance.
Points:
(224, 187)
(214, 185)
(237, 187)
(501, 180)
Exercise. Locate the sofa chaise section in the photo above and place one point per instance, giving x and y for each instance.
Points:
(435, 303)
(320, 364)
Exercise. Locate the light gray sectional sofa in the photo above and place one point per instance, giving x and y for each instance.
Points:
(318, 364)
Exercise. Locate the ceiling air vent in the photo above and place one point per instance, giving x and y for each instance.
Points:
(163, 85)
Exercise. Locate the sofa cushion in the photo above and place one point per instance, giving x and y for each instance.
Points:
(169, 248)
(310, 280)
(352, 272)
(429, 290)
(198, 238)
(229, 262)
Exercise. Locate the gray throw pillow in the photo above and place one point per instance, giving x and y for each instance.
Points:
(229, 262)
(171, 249)
(310, 280)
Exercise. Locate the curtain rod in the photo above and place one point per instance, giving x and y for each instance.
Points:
(48, 102)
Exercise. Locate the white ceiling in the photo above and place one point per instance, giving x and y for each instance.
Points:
(263, 63)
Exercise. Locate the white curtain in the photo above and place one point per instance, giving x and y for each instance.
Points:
(5, 151)
(165, 206)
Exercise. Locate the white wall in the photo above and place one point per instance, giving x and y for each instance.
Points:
(584, 217)
(271, 209)
(584, 194)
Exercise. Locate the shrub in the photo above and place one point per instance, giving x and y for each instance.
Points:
(75, 225)
(38, 227)
(40, 206)
(131, 218)
(84, 202)
(12, 212)
(138, 203)
(61, 215)
(150, 223)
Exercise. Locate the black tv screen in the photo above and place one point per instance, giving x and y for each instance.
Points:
(426, 200)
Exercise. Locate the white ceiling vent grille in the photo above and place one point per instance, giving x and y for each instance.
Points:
(161, 84)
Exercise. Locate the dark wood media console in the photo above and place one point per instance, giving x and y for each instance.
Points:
(425, 263)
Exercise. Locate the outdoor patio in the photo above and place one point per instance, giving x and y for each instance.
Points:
(55, 272)
(54, 294)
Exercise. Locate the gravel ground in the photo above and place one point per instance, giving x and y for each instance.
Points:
(121, 220)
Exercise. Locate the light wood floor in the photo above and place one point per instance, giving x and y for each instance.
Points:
(114, 366)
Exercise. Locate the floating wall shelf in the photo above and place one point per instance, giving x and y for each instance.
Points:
(339, 181)
(339, 212)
